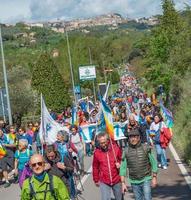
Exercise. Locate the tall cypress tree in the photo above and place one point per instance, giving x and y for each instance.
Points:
(47, 80)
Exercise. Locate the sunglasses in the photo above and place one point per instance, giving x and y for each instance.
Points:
(35, 164)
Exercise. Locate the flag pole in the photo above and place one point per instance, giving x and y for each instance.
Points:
(42, 122)
(114, 154)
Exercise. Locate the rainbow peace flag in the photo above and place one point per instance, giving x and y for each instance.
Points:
(11, 138)
(167, 116)
(108, 119)
(2, 151)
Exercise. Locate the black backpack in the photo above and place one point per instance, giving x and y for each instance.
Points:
(33, 193)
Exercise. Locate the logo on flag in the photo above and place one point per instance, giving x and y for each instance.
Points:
(48, 127)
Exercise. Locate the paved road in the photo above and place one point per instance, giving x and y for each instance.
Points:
(171, 186)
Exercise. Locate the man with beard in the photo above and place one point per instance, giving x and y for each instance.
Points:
(106, 164)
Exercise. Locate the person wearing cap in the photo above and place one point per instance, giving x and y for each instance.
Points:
(142, 166)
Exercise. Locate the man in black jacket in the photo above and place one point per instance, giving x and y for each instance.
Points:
(55, 166)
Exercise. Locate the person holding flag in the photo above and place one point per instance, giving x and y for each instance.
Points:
(106, 164)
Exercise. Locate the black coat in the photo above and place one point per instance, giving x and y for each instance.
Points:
(63, 174)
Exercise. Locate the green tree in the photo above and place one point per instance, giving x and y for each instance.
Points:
(47, 80)
(115, 78)
(164, 40)
(22, 98)
(163, 36)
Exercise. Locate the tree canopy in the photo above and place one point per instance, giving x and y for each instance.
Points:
(47, 80)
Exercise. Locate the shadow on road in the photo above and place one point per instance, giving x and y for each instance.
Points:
(177, 191)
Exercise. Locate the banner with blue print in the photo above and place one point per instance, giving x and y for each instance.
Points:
(87, 132)
(48, 127)
(119, 130)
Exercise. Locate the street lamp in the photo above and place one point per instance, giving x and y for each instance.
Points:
(90, 57)
(71, 67)
(5, 80)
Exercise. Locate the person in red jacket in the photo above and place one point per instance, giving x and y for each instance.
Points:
(106, 164)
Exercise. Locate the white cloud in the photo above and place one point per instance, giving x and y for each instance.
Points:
(12, 10)
(47, 9)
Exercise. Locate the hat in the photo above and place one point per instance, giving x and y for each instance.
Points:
(134, 132)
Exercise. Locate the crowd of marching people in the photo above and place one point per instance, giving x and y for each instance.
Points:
(139, 126)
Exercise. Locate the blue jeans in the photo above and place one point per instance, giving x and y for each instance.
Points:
(72, 187)
(106, 191)
(142, 191)
(161, 155)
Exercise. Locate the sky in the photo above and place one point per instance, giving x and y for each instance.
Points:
(12, 11)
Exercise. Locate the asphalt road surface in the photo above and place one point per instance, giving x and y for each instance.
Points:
(171, 185)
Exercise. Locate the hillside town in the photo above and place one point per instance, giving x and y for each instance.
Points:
(112, 20)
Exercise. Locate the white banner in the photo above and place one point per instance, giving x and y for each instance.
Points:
(119, 130)
(87, 132)
(48, 127)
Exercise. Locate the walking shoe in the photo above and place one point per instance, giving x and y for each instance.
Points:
(164, 167)
(159, 165)
(6, 185)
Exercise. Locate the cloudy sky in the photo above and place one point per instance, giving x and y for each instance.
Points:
(40, 10)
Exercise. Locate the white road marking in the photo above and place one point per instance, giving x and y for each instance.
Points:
(176, 157)
(85, 177)
(181, 165)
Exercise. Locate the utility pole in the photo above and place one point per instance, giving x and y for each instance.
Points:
(71, 67)
(2, 104)
(90, 56)
(5, 80)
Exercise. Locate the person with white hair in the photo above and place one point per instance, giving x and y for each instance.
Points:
(22, 157)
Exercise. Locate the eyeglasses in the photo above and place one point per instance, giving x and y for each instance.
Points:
(35, 164)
